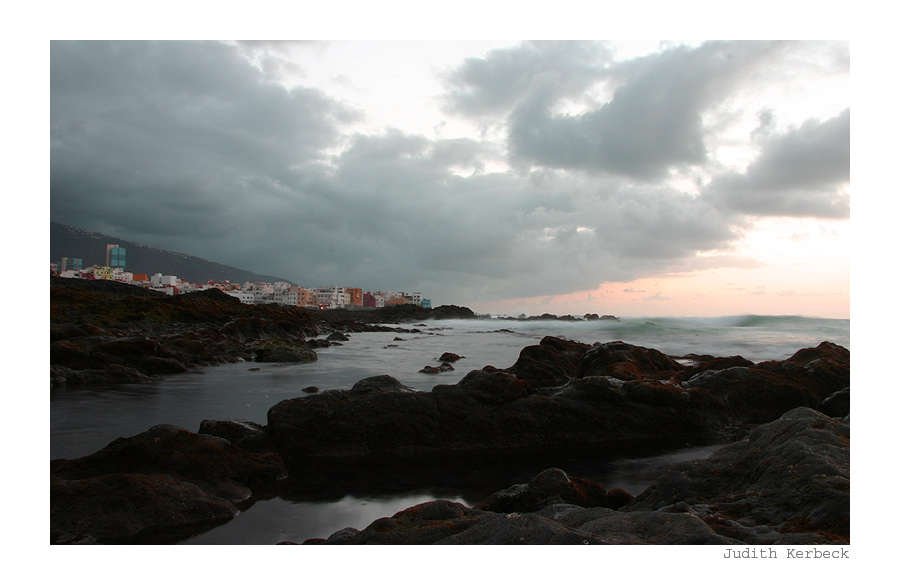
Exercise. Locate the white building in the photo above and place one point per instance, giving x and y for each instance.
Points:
(245, 296)
(294, 296)
(159, 279)
(415, 297)
(264, 298)
(332, 297)
(286, 297)
(381, 298)
(186, 287)
(119, 275)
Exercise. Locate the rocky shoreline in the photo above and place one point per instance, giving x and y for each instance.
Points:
(108, 332)
(784, 479)
(788, 483)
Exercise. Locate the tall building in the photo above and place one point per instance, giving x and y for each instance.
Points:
(70, 264)
(115, 256)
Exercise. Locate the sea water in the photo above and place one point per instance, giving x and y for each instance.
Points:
(85, 419)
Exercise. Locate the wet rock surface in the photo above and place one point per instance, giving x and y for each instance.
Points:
(110, 332)
(784, 479)
(281, 350)
(136, 334)
(444, 522)
(163, 481)
(546, 398)
(787, 484)
(549, 487)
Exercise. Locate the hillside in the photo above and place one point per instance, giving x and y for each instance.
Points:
(73, 242)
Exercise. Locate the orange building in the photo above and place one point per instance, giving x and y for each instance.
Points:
(398, 301)
(356, 296)
(305, 297)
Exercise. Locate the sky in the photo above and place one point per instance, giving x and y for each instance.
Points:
(644, 178)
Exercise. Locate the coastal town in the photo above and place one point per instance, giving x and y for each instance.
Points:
(250, 293)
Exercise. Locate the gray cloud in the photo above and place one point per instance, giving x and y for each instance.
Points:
(174, 137)
(766, 123)
(497, 83)
(804, 172)
(653, 122)
(400, 211)
(191, 147)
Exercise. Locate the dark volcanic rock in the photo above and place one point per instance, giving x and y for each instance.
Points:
(114, 373)
(105, 287)
(837, 405)
(618, 498)
(546, 399)
(70, 330)
(487, 409)
(238, 432)
(146, 355)
(554, 361)
(134, 335)
(788, 483)
(762, 392)
(627, 362)
(284, 350)
(350, 320)
(422, 524)
(119, 507)
(158, 482)
(444, 367)
(443, 522)
(378, 384)
(551, 486)
(706, 363)
(207, 460)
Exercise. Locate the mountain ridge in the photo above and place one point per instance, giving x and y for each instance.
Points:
(74, 242)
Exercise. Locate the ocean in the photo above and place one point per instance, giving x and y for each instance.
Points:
(85, 419)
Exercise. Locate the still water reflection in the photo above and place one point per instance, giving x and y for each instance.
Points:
(315, 504)
(320, 502)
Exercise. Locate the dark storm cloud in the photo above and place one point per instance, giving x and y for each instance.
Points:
(396, 214)
(393, 213)
(804, 172)
(193, 148)
(174, 137)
